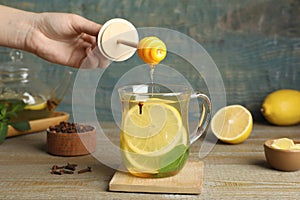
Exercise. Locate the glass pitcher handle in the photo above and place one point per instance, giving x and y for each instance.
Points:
(204, 117)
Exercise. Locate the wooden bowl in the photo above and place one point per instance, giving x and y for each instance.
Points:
(71, 144)
(281, 159)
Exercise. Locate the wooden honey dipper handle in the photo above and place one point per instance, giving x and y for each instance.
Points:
(128, 43)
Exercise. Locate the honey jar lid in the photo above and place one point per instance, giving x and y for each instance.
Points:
(109, 35)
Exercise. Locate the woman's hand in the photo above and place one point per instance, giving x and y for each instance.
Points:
(61, 38)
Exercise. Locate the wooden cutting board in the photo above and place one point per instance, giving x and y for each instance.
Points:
(40, 124)
(187, 181)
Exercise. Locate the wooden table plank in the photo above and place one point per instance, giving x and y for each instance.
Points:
(230, 171)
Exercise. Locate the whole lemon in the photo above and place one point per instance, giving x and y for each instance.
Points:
(282, 107)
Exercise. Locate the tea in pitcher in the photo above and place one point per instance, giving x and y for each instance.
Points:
(38, 111)
(38, 108)
(154, 137)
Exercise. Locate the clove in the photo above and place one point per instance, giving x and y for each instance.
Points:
(141, 107)
(71, 166)
(74, 165)
(55, 167)
(56, 172)
(67, 171)
(88, 169)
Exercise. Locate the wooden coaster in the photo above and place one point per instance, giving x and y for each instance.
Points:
(187, 181)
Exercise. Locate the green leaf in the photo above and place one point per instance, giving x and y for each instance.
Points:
(11, 109)
(11, 114)
(3, 131)
(17, 106)
(21, 126)
(3, 112)
(2, 108)
(175, 159)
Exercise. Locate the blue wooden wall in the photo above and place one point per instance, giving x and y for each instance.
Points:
(255, 43)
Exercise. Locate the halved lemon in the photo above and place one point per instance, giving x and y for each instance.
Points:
(232, 124)
(155, 129)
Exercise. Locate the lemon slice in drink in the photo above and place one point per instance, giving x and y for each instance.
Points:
(180, 139)
(153, 162)
(162, 126)
(144, 121)
(232, 124)
(140, 162)
(39, 104)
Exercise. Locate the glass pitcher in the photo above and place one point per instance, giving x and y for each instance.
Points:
(20, 82)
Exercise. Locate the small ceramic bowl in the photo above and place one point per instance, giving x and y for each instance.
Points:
(281, 159)
(71, 144)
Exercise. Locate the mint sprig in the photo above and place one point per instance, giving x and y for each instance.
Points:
(9, 110)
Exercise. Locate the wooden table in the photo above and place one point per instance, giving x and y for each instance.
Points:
(230, 172)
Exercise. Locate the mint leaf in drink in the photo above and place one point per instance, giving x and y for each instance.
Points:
(175, 159)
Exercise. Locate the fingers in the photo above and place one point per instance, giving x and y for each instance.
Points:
(94, 59)
(83, 25)
(88, 38)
